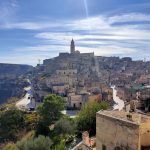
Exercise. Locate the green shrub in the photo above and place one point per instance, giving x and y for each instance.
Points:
(39, 143)
(86, 119)
(60, 146)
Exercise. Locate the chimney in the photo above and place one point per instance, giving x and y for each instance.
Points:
(85, 138)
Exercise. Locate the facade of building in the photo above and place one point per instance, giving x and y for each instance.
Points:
(75, 101)
(119, 130)
(63, 77)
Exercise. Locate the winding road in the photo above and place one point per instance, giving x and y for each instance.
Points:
(27, 102)
(119, 102)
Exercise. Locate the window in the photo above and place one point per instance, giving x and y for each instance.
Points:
(103, 147)
(74, 105)
(80, 104)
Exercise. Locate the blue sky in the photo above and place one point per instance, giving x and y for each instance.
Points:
(40, 29)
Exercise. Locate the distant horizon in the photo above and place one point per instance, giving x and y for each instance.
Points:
(11, 63)
(35, 30)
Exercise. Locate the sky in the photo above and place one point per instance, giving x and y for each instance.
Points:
(32, 30)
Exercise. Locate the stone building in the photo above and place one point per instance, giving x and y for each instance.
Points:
(66, 76)
(118, 130)
(87, 143)
(144, 97)
(76, 101)
(62, 80)
(72, 72)
(126, 94)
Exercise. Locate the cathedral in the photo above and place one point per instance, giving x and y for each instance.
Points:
(72, 48)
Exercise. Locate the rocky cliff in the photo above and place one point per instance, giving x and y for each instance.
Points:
(12, 80)
(13, 69)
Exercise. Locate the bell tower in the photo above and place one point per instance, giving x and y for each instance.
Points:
(72, 47)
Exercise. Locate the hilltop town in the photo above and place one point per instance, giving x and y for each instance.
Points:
(121, 82)
(79, 101)
(80, 77)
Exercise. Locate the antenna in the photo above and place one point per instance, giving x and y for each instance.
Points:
(144, 59)
(39, 61)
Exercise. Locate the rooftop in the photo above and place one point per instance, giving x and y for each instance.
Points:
(136, 119)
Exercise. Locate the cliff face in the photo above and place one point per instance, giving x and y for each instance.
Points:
(13, 69)
(11, 82)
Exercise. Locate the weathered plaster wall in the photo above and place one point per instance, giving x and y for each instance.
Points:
(113, 132)
(145, 133)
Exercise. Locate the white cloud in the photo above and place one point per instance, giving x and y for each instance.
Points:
(47, 51)
(26, 58)
(92, 23)
(100, 37)
(131, 17)
(28, 25)
(58, 36)
(118, 34)
(8, 10)
(96, 32)
(100, 28)
(108, 50)
(19, 59)
(43, 49)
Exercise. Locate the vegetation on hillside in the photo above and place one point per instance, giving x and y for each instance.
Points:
(50, 110)
(86, 119)
(11, 122)
(47, 128)
(39, 143)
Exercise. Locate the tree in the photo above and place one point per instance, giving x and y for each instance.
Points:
(60, 146)
(86, 119)
(64, 129)
(65, 126)
(31, 120)
(39, 143)
(49, 112)
(11, 122)
(42, 129)
(51, 108)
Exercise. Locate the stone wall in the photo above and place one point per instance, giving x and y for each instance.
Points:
(112, 133)
(145, 134)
